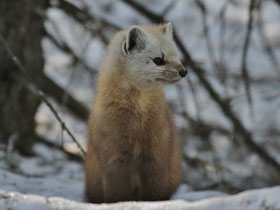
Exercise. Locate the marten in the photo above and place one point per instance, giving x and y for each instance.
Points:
(133, 149)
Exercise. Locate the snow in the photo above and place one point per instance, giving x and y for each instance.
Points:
(251, 200)
(51, 181)
(48, 174)
(194, 196)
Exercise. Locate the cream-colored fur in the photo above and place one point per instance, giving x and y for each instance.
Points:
(139, 66)
(133, 150)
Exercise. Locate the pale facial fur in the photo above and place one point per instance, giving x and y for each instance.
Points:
(141, 46)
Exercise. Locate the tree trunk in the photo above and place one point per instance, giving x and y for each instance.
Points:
(22, 28)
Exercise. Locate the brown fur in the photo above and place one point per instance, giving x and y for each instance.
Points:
(133, 150)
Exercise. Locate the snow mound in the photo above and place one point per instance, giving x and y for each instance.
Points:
(267, 198)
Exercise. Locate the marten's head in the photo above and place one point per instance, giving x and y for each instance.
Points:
(150, 56)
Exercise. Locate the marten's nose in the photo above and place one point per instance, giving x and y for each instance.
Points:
(183, 72)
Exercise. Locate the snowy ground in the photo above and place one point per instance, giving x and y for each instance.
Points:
(52, 174)
(265, 199)
(51, 181)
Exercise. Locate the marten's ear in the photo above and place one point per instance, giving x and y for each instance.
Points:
(136, 39)
(168, 30)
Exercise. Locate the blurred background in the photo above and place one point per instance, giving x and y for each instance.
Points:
(227, 110)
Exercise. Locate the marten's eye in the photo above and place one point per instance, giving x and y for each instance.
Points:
(158, 61)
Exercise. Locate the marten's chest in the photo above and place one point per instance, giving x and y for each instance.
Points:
(137, 136)
(143, 139)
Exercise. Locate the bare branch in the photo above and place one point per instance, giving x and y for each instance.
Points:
(225, 107)
(57, 92)
(39, 93)
(49, 143)
(169, 7)
(143, 10)
(203, 11)
(62, 45)
(65, 48)
(266, 45)
(83, 17)
(244, 67)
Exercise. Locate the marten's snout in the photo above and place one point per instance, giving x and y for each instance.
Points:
(183, 72)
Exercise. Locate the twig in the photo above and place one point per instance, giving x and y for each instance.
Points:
(196, 98)
(198, 71)
(49, 143)
(222, 43)
(169, 7)
(62, 45)
(266, 45)
(83, 17)
(39, 92)
(55, 91)
(203, 11)
(220, 15)
(197, 124)
(244, 67)
(65, 48)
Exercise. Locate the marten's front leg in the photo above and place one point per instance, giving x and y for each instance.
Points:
(154, 179)
(116, 179)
